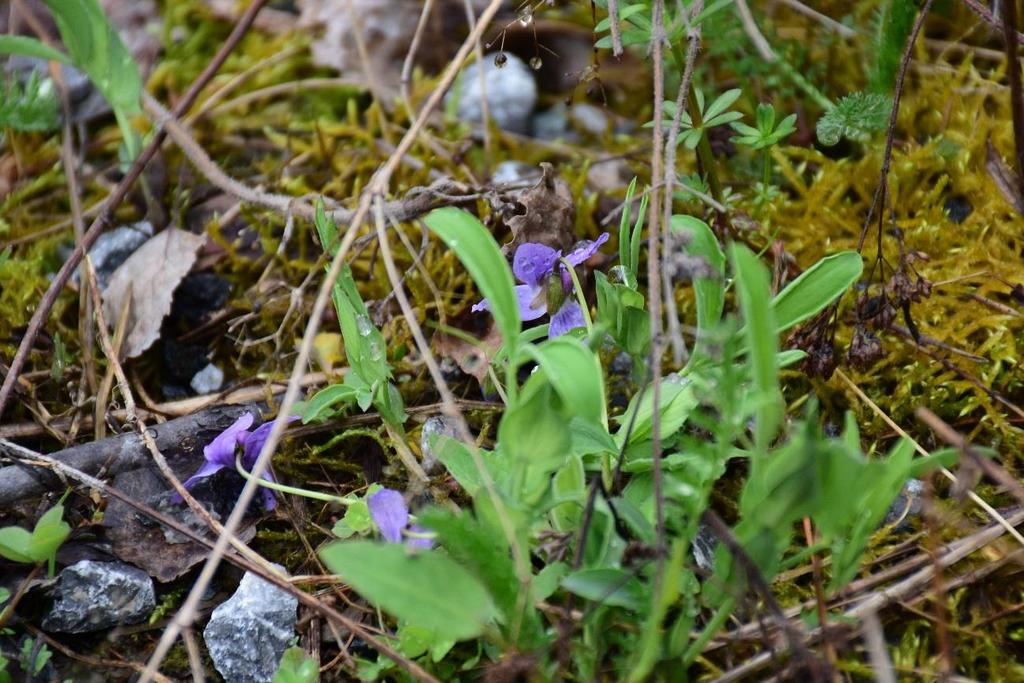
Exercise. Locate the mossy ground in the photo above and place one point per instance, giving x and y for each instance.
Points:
(329, 142)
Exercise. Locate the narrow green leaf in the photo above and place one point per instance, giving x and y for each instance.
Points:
(762, 341)
(424, 588)
(607, 587)
(473, 244)
(30, 47)
(710, 291)
(324, 401)
(816, 288)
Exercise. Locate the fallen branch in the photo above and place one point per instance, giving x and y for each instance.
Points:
(186, 435)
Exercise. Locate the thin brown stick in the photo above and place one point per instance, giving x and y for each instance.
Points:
(1009, 12)
(654, 252)
(35, 325)
(613, 18)
(675, 334)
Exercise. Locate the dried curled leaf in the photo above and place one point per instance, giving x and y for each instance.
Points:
(146, 282)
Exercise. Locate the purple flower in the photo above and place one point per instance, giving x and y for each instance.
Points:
(546, 291)
(220, 453)
(391, 515)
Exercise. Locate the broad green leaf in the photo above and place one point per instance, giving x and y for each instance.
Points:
(16, 544)
(607, 587)
(575, 373)
(425, 588)
(762, 341)
(473, 244)
(30, 47)
(709, 291)
(816, 288)
(50, 531)
(677, 401)
(487, 557)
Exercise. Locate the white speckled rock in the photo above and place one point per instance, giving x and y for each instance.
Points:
(510, 89)
(248, 634)
(92, 596)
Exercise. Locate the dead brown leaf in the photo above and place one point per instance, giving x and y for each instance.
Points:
(548, 214)
(1004, 177)
(148, 280)
(472, 359)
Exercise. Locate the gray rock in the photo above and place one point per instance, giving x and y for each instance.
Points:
(703, 548)
(553, 124)
(906, 507)
(92, 596)
(248, 634)
(435, 426)
(589, 118)
(510, 89)
(508, 172)
(113, 248)
(208, 380)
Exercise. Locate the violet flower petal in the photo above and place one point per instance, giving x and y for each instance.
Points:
(527, 294)
(222, 449)
(389, 513)
(269, 501)
(484, 305)
(254, 441)
(533, 261)
(568, 317)
(207, 469)
(585, 250)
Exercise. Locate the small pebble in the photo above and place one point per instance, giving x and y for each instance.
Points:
(208, 380)
(92, 596)
(438, 425)
(510, 89)
(248, 634)
(113, 248)
(958, 208)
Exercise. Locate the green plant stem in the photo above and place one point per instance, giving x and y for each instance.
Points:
(578, 290)
(283, 488)
(705, 157)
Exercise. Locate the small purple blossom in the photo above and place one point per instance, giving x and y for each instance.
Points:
(220, 453)
(545, 291)
(391, 515)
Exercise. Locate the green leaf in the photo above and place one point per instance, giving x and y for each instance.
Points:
(709, 291)
(762, 341)
(31, 106)
(96, 48)
(487, 556)
(323, 402)
(575, 373)
(424, 588)
(473, 244)
(296, 667)
(816, 288)
(15, 544)
(856, 117)
(51, 530)
(677, 402)
(607, 587)
(30, 47)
